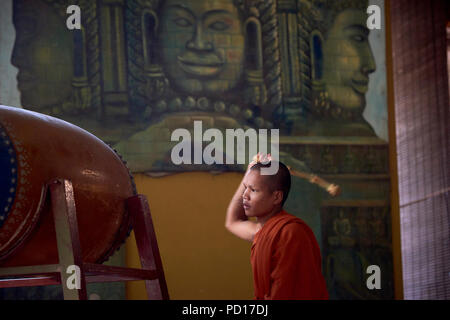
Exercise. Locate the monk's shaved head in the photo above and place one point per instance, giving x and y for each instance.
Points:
(279, 181)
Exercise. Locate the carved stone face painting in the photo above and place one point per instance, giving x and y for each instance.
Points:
(348, 60)
(202, 45)
(43, 53)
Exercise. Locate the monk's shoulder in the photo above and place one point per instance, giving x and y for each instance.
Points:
(295, 228)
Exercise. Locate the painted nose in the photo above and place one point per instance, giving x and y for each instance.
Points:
(18, 56)
(369, 65)
(198, 42)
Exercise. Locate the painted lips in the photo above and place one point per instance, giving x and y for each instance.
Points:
(25, 80)
(207, 66)
(360, 86)
(24, 76)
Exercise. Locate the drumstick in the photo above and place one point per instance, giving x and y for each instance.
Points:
(333, 189)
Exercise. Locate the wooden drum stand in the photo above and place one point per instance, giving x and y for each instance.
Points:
(69, 252)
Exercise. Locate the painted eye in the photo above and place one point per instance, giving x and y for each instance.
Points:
(358, 38)
(219, 26)
(182, 22)
(27, 28)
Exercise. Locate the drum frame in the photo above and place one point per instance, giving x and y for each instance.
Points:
(69, 252)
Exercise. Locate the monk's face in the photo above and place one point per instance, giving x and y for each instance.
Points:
(258, 200)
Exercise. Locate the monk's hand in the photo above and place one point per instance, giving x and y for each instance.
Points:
(259, 158)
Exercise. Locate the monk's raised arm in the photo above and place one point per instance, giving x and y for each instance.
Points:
(236, 221)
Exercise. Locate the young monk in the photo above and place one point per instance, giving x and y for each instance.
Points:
(285, 255)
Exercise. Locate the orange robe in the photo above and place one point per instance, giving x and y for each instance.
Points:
(286, 261)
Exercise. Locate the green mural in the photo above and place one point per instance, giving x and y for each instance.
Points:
(139, 69)
(341, 60)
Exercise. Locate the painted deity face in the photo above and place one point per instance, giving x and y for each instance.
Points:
(258, 200)
(43, 53)
(348, 60)
(202, 45)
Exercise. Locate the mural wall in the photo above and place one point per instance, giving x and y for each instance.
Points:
(139, 69)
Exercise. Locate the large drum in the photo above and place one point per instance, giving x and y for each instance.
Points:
(34, 150)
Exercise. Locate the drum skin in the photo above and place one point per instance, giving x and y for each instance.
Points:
(36, 149)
